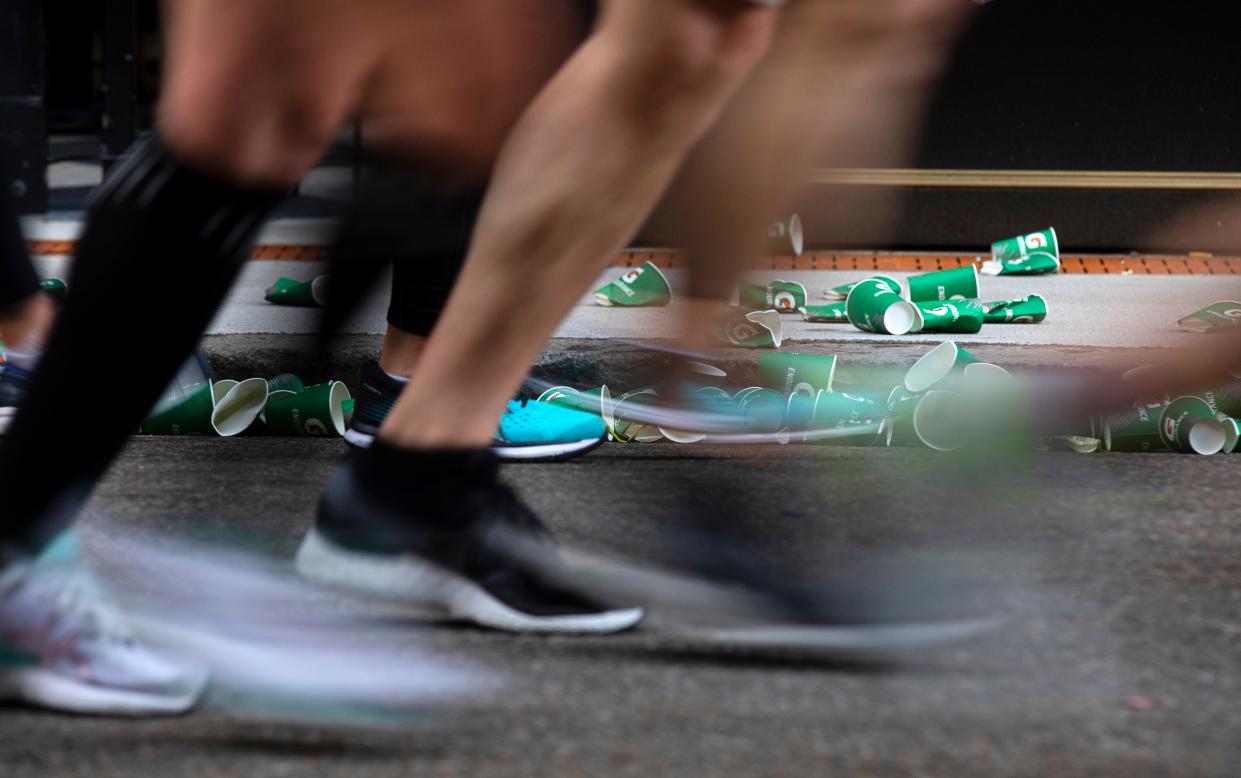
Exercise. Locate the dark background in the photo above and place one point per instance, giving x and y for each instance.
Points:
(1035, 84)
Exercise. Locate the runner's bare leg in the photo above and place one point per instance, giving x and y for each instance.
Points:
(578, 174)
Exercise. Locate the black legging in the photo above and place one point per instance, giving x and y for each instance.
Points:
(17, 277)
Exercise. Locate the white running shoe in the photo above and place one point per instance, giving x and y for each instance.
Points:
(62, 647)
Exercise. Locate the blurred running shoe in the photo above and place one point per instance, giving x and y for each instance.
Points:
(13, 383)
(61, 647)
(443, 542)
(529, 431)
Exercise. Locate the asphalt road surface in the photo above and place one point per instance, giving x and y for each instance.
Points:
(1118, 578)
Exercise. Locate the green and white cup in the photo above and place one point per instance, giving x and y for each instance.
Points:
(842, 292)
(786, 237)
(305, 294)
(959, 316)
(833, 407)
(316, 412)
(802, 374)
(55, 288)
(959, 283)
(1225, 399)
(940, 420)
(1216, 317)
(944, 360)
(1189, 425)
(825, 314)
(285, 382)
(1033, 254)
(900, 414)
(783, 296)
(640, 286)
(873, 307)
(1135, 430)
(752, 329)
(764, 410)
(1232, 433)
(1030, 309)
(224, 408)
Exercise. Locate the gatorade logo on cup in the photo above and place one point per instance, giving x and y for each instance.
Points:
(1034, 242)
(1169, 428)
(632, 275)
(785, 301)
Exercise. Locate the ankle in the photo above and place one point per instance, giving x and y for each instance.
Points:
(27, 325)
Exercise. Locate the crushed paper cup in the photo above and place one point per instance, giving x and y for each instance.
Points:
(1030, 309)
(1134, 430)
(640, 286)
(1216, 317)
(873, 307)
(842, 292)
(939, 363)
(955, 316)
(783, 296)
(825, 314)
(224, 408)
(1077, 444)
(786, 237)
(1033, 254)
(753, 329)
(305, 294)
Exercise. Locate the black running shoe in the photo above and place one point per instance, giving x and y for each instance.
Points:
(528, 431)
(14, 382)
(447, 543)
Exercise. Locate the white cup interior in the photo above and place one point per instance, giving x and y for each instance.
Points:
(899, 318)
(1207, 437)
(931, 368)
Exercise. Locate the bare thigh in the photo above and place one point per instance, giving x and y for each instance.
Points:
(257, 89)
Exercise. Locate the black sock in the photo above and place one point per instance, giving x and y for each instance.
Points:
(161, 248)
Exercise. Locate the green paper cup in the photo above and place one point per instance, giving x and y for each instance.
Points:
(1030, 309)
(641, 286)
(825, 314)
(1036, 253)
(786, 237)
(764, 410)
(54, 288)
(900, 414)
(944, 360)
(959, 283)
(783, 296)
(755, 329)
(1226, 399)
(834, 407)
(237, 407)
(1216, 317)
(305, 294)
(1189, 425)
(873, 307)
(1232, 433)
(940, 420)
(1134, 430)
(797, 373)
(190, 414)
(842, 292)
(316, 412)
(964, 316)
(285, 382)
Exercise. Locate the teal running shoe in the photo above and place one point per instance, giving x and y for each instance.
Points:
(529, 431)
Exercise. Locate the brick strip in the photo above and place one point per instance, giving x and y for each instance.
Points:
(854, 261)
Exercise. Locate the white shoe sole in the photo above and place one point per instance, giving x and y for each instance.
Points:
(41, 687)
(535, 453)
(415, 581)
